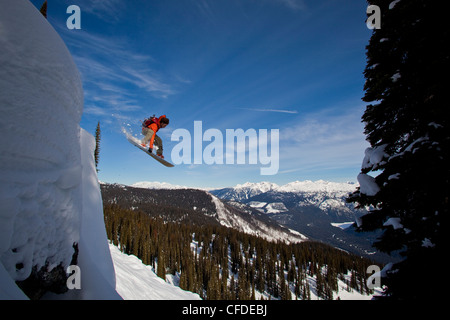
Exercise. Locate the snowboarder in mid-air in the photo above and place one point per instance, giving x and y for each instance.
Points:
(149, 128)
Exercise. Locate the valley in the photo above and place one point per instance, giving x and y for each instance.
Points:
(225, 249)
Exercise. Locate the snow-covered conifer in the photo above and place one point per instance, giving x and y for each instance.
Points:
(405, 175)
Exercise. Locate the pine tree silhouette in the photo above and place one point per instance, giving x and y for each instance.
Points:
(97, 145)
(43, 9)
(407, 125)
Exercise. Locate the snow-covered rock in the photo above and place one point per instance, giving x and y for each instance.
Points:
(41, 103)
(49, 194)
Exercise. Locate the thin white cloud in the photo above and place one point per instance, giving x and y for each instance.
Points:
(114, 60)
(115, 76)
(323, 142)
(94, 110)
(107, 10)
(148, 81)
(270, 110)
(293, 4)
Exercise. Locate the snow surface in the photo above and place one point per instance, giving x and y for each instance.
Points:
(392, 4)
(264, 207)
(317, 186)
(367, 184)
(230, 220)
(136, 281)
(257, 204)
(373, 157)
(276, 207)
(156, 185)
(396, 76)
(260, 187)
(394, 222)
(427, 243)
(342, 225)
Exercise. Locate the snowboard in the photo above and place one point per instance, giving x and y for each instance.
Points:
(154, 156)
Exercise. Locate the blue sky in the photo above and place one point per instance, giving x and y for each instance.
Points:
(292, 65)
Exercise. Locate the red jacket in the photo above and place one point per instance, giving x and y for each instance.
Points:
(155, 126)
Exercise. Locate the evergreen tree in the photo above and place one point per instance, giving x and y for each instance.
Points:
(306, 293)
(43, 9)
(243, 287)
(253, 297)
(320, 285)
(232, 290)
(97, 145)
(161, 269)
(224, 283)
(407, 125)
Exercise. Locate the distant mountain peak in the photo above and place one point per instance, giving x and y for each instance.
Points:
(263, 186)
(312, 208)
(156, 185)
(317, 186)
(297, 186)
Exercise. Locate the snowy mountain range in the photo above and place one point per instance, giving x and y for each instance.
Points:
(157, 185)
(323, 194)
(251, 189)
(316, 209)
